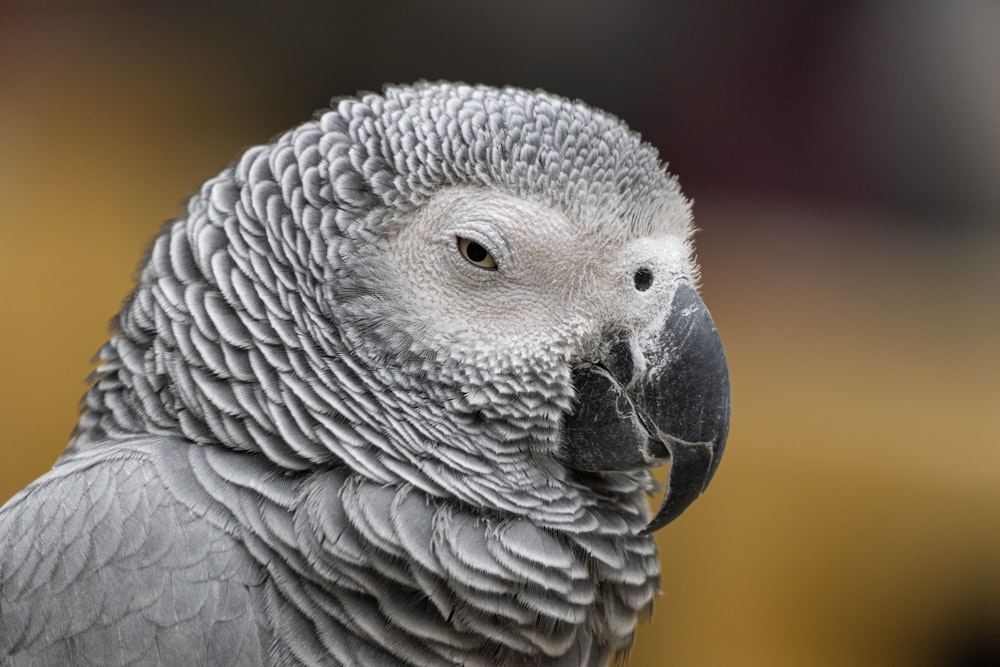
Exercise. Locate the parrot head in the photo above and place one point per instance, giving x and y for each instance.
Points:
(486, 293)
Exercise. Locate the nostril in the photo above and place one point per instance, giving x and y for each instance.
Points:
(643, 279)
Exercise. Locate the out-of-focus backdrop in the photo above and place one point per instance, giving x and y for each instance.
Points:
(844, 160)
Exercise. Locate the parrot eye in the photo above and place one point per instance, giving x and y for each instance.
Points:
(476, 254)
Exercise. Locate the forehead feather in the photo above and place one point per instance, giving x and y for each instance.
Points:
(410, 141)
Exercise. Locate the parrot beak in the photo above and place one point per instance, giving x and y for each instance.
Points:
(666, 399)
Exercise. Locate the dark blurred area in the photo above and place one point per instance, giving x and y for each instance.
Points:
(844, 160)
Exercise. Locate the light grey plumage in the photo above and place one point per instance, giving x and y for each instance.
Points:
(319, 435)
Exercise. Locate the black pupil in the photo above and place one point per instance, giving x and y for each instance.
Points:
(476, 252)
(643, 278)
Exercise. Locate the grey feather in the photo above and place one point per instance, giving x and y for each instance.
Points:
(99, 551)
(270, 468)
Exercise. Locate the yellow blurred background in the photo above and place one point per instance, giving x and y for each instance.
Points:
(844, 159)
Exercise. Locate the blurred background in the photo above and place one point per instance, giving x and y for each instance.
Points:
(844, 160)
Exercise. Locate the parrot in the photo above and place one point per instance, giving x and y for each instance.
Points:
(388, 392)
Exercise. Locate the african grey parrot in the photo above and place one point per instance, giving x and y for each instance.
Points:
(387, 394)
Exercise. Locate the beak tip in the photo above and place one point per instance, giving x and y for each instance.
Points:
(692, 466)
